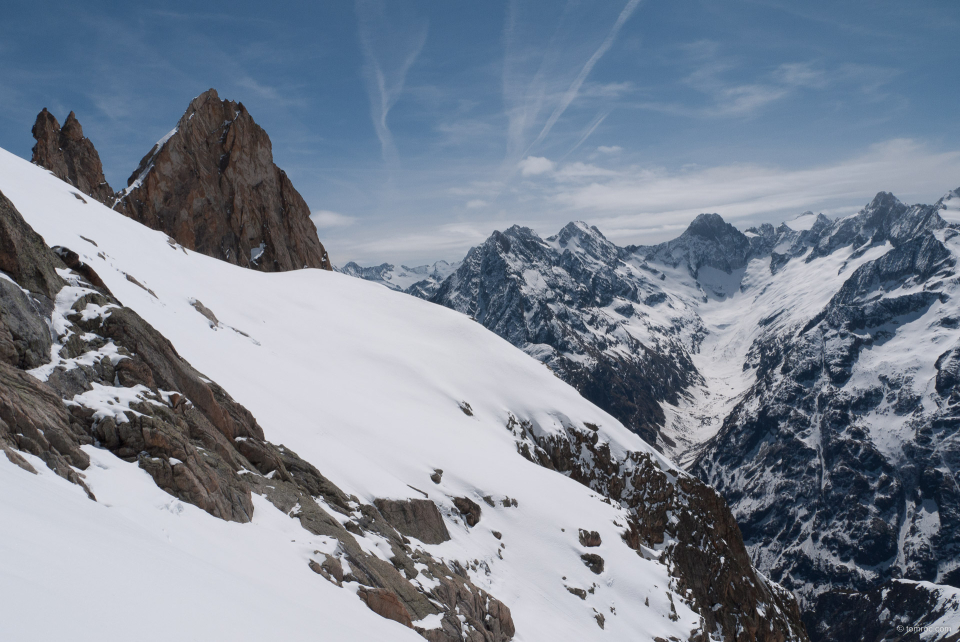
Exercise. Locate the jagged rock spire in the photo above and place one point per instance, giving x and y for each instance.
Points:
(212, 185)
(69, 155)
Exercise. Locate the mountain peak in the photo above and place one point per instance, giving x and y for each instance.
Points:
(710, 227)
(69, 155)
(577, 229)
(217, 166)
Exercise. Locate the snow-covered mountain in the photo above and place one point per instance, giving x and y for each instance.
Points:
(421, 281)
(806, 370)
(301, 454)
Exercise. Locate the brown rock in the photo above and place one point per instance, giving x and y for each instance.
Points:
(213, 187)
(72, 260)
(590, 539)
(417, 518)
(331, 568)
(579, 592)
(24, 255)
(593, 561)
(385, 603)
(599, 618)
(469, 508)
(70, 156)
(205, 311)
(34, 420)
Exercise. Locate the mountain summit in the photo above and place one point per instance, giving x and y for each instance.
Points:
(210, 184)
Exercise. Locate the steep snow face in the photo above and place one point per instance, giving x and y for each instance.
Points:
(376, 389)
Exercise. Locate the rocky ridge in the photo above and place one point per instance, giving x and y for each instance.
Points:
(210, 184)
(679, 520)
(106, 378)
(70, 155)
(854, 402)
(603, 325)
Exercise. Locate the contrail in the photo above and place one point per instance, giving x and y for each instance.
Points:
(574, 88)
(384, 91)
(590, 128)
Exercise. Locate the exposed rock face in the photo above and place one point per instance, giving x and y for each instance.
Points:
(564, 301)
(70, 155)
(417, 518)
(385, 603)
(24, 256)
(705, 553)
(211, 184)
(844, 422)
(469, 509)
(898, 610)
(590, 539)
(593, 561)
(708, 241)
(197, 443)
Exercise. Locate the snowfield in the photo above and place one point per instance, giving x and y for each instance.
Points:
(364, 383)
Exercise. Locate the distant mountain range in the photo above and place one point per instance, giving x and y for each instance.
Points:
(808, 371)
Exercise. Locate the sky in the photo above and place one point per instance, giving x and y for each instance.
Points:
(414, 129)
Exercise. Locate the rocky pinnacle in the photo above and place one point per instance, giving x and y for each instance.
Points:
(69, 155)
(212, 185)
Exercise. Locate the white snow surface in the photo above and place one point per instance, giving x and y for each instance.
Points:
(803, 222)
(362, 382)
(950, 207)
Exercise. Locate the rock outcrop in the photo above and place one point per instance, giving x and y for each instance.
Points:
(70, 155)
(417, 518)
(211, 184)
(108, 379)
(681, 521)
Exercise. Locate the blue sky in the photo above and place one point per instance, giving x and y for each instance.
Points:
(414, 129)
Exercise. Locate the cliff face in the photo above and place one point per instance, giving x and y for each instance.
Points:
(211, 184)
(70, 156)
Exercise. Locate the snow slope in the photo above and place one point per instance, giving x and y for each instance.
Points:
(364, 383)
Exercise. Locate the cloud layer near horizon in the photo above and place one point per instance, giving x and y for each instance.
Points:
(637, 205)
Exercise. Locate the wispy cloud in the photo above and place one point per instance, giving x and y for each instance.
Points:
(385, 72)
(542, 80)
(732, 90)
(574, 87)
(645, 205)
(325, 219)
(589, 129)
(630, 203)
